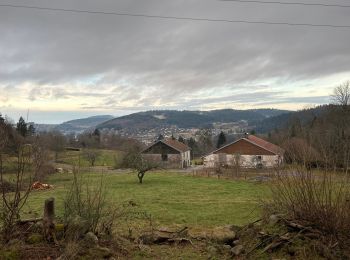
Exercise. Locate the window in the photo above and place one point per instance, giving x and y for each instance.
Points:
(164, 157)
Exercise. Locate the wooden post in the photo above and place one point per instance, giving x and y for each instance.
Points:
(48, 220)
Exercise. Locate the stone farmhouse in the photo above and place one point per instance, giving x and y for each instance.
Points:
(248, 152)
(169, 153)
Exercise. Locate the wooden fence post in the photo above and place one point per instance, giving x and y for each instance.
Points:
(48, 220)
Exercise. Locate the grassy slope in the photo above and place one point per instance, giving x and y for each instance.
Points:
(106, 158)
(170, 198)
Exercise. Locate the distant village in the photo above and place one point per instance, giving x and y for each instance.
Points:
(149, 136)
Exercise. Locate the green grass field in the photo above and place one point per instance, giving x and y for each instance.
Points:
(105, 158)
(170, 198)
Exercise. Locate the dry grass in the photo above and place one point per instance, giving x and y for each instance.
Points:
(322, 200)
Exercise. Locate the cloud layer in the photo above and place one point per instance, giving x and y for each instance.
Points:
(55, 61)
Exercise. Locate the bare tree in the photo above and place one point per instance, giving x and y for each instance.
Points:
(134, 160)
(13, 203)
(40, 160)
(55, 141)
(91, 156)
(341, 94)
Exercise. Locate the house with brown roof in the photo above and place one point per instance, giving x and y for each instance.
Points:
(249, 152)
(169, 153)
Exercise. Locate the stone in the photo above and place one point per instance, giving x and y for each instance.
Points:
(226, 248)
(224, 235)
(237, 250)
(91, 239)
(273, 219)
(236, 242)
(212, 250)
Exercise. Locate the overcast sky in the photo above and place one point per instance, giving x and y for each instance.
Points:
(62, 65)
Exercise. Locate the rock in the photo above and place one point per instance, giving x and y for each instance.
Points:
(35, 238)
(237, 250)
(212, 250)
(91, 239)
(236, 242)
(273, 219)
(226, 248)
(224, 235)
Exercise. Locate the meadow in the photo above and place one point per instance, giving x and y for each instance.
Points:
(170, 198)
(104, 158)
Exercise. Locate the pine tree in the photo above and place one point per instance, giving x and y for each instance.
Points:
(2, 119)
(181, 139)
(22, 127)
(31, 130)
(221, 140)
(97, 133)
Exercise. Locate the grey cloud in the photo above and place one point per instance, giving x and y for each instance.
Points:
(148, 60)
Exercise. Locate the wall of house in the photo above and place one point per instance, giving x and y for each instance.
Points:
(186, 158)
(245, 161)
(174, 160)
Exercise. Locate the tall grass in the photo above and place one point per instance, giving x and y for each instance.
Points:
(85, 205)
(320, 199)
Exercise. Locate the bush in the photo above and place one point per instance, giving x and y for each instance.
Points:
(321, 200)
(43, 172)
(7, 186)
(84, 207)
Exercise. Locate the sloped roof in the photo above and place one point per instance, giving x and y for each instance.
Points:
(181, 147)
(265, 144)
(258, 142)
(178, 146)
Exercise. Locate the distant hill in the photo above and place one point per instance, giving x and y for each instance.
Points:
(283, 120)
(83, 124)
(186, 119)
(45, 127)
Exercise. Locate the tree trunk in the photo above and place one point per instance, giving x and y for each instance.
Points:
(140, 176)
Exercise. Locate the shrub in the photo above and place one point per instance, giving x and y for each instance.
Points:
(84, 207)
(7, 186)
(320, 199)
